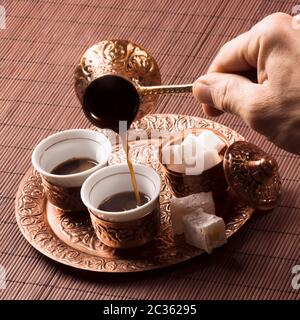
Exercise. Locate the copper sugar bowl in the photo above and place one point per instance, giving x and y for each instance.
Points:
(247, 173)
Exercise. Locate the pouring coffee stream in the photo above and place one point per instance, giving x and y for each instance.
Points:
(124, 141)
(117, 80)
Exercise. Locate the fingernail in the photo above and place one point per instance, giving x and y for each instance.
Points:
(201, 91)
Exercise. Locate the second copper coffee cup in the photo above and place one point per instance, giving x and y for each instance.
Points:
(63, 191)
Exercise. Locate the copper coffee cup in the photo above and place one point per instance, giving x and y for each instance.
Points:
(182, 184)
(123, 229)
(63, 191)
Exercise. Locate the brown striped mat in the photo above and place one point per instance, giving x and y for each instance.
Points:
(41, 44)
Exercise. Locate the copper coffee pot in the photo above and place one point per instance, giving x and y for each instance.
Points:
(119, 80)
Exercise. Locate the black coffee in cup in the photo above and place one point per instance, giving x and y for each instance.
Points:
(123, 201)
(74, 165)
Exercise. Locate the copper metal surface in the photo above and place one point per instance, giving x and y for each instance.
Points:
(122, 58)
(163, 89)
(182, 184)
(65, 198)
(253, 175)
(129, 234)
(70, 239)
(130, 61)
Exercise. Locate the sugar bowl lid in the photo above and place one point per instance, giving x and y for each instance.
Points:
(253, 175)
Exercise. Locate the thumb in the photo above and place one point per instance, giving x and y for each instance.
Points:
(224, 92)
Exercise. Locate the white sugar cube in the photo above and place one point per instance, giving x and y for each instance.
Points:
(197, 202)
(209, 140)
(195, 154)
(177, 154)
(190, 140)
(189, 150)
(211, 158)
(172, 157)
(198, 167)
(188, 158)
(204, 231)
(190, 203)
(167, 154)
(172, 154)
(177, 220)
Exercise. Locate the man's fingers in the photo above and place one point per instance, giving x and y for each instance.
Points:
(245, 51)
(234, 57)
(237, 55)
(211, 111)
(225, 92)
(203, 94)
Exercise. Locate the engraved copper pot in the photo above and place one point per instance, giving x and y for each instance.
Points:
(115, 63)
(252, 175)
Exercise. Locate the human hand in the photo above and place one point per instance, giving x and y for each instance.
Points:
(271, 106)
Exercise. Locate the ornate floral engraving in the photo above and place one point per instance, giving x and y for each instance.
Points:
(139, 63)
(254, 175)
(64, 198)
(115, 52)
(127, 234)
(71, 240)
(122, 58)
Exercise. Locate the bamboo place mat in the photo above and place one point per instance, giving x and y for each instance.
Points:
(40, 46)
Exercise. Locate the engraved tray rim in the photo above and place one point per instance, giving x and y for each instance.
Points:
(68, 254)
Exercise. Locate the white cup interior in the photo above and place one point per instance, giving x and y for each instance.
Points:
(65, 145)
(115, 179)
(71, 148)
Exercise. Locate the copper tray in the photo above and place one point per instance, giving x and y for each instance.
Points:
(72, 241)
